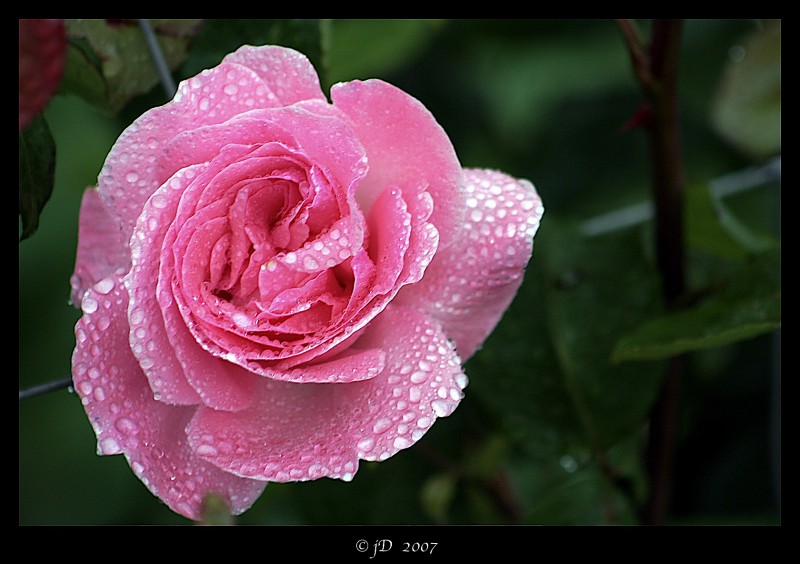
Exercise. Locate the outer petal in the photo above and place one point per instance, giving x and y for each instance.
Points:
(288, 73)
(102, 249)
(469, 285)
(406, 148)
(127, 419)
(307, 431)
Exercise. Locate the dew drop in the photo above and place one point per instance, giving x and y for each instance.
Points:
(366, 445)
(401, 442)
(419, 377)
(109, 446)
(131, 177)
(104, 286)
(85, 387)
(206, 450)
(414, 394)
(159, 201)
(99, 394)
(137, 468)
(126, 426)
(424, 422)
(89, 305)
(381, 425)
(440, 408)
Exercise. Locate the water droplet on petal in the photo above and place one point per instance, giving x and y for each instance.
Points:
(109, 446)
(366, 445)
(89, 305)
(381, 425)
(206, 450)
(401, 442)
(104, 286)
(441, 408)
(126, 426)
(419, 377)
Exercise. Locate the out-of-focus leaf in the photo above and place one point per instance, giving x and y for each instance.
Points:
(748, 306)
(711, 227)
(109, 63)
(362, 49)
(516, 376)
(586, 497)
(218, 37)
(747, 110)
(437, 494)
(37, 161)
(491, 455)
(600, 289)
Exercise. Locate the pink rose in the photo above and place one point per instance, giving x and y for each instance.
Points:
(275, 287)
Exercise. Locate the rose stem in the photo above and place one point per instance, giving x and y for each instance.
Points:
(158, 58)
(42, 389)
(656, 72)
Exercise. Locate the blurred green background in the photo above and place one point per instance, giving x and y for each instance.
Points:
(544, 100)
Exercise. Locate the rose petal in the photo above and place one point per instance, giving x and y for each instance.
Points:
(289, 74)
(469, 285)
(307, 431)
(102, 249)
(149, 338)
(406, 148)
(137, 164)
(126, 418)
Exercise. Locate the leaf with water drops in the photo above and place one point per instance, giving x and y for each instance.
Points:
(108, 61)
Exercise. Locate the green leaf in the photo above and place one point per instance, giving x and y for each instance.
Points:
(600, 289)
(37, 162)
(586, 497)
(392, 43)
(109, 64)
(218, 37)
(749, 305)
(517, 379)
(711, 227)
(747, 110)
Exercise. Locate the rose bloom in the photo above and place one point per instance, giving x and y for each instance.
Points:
(275, 286)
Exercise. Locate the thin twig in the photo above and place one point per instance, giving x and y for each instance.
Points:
(158, 58)
(42, 389)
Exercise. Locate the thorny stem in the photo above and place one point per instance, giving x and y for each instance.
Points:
(656, 71)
